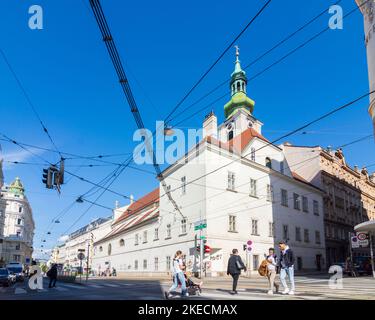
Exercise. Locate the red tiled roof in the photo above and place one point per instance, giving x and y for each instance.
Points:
(134, 222)
(138, 205)
(239, 142)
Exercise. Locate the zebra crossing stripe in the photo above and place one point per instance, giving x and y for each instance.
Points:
(19, 291)
(72, 286)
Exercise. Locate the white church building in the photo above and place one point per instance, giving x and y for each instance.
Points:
(239, 184)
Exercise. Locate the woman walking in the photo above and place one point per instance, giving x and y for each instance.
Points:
(178, 276)
(235, 265)
(271, 268)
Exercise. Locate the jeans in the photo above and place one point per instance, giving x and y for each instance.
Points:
(235, 277)
(179, 277)
(290, 272)
(52, 282)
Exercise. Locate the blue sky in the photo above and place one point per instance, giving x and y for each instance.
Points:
(165, 47)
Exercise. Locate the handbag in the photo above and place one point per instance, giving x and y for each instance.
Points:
(239, 265)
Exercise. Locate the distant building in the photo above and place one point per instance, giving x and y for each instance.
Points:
(80, 240)
(368, 11)
(349, 194)
(18, 224)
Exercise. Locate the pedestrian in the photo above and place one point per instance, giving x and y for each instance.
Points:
(272, 270)
(235, 265)
(52, 275)
(178, 276)
(286, 264)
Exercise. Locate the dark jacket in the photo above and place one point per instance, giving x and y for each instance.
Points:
(232, 264)
(52, 273)
(286, 260)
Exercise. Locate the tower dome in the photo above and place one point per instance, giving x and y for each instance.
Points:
(16, 187)
(238, 83)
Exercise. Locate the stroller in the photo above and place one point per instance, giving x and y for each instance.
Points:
(193, 289)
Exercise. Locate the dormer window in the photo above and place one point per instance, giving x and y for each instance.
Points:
(268, 163)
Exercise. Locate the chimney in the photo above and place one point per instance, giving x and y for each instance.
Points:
(131, 199)
(210, 125)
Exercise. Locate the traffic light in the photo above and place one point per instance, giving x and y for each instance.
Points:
(47, 178)
(207, 249)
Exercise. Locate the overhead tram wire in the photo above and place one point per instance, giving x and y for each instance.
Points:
(260, 57)
(116, 61)
(27, 97)
(174, 109)
(302, 45)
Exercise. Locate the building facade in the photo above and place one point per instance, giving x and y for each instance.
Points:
(18, 227)
(81, 241)
(349, 195)
(368, 10)
(239, 184)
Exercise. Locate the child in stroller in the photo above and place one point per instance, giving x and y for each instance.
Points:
(192, 287)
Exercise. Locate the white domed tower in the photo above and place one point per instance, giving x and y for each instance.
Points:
(368, 10)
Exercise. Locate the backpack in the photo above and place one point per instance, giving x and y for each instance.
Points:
(263, 269)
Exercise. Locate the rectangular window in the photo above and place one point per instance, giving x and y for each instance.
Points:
(305, 204)
(306, 235)
(285, 232)
(19, 221)
(269, 193)
(18, 246)
(271, 229)
(298, 234)
(144, 236)
(317, 237)
(253, 188)
(282, 167)
(136, 241)
(183, 185)
(156, 263)
(255, 262)
(136, 264)
(156, 234)
(168, 263)
(231, 181)
(232, 223)
(296, 201)
(316, 207)
(252, 155)
(144, 264)
(183, 226)
(168, 231)
(284, 197)
(254, 227)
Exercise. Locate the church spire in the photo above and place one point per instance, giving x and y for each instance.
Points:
(238, 88)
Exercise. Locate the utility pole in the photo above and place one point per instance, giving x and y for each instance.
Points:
(87, 261)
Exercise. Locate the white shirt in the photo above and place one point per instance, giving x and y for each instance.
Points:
(272, 263)
(176, 265)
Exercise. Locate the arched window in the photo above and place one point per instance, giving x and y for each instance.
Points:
(230, 135)
(268, 163)
(238, 86)
(122, 242)
(109, 249)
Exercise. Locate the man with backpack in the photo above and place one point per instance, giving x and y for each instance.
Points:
(286, 264)
(235, 265)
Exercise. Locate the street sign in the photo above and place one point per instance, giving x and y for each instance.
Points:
(81, 256)
(361, 240)
(199, 225)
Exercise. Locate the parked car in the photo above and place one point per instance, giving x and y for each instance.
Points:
(17, 270)
(5, 278)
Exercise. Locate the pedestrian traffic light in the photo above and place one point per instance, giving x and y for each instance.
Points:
(207, 249)
(47, 178)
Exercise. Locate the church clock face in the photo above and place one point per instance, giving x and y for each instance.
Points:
(250, 124)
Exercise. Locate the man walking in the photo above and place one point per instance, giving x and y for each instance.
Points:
(286, 264)
(235, 265)
(52, 275)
